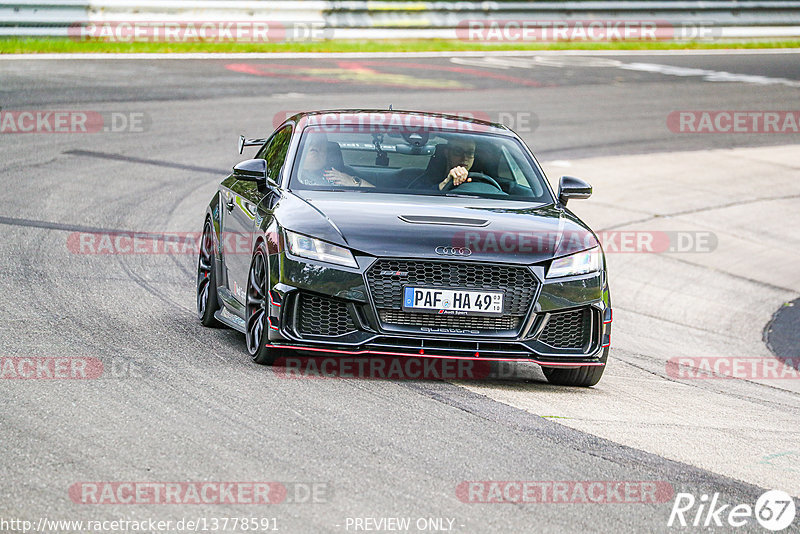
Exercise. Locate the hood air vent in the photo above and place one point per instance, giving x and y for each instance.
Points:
(435, 219)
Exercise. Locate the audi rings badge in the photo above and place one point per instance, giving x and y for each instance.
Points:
(453, 251)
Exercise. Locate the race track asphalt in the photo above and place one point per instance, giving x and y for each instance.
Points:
(187, 405)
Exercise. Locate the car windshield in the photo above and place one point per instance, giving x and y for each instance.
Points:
(416, 161)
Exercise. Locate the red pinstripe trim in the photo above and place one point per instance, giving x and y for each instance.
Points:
(269, 320)
(386, 353)
(272, 301)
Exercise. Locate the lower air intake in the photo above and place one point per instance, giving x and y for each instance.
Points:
(568, 330)
(323, 316)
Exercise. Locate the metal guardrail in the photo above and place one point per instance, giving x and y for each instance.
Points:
(401, 19)
(55, 13)
(361, 14)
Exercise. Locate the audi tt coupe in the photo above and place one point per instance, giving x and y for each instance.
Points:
(400, 233)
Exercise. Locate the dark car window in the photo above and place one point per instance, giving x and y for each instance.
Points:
(275, 152)
(416, 161)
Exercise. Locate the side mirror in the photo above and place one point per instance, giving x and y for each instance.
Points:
(251, 170)
(571, 187)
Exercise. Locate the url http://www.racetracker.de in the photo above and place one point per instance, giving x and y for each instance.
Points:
(143, 526)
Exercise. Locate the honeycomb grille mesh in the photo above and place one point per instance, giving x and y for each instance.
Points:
(506, 322)
(323, 316)
(517, 281)
(568, 330)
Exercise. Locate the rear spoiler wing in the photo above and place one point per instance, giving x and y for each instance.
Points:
(249, 142)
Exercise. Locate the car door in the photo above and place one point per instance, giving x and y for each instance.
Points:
(241, 210)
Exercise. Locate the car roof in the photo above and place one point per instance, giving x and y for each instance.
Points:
(413, 119)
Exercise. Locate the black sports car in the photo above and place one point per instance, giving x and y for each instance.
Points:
(399, 233)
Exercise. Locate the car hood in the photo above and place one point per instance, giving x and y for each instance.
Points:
(419, 226)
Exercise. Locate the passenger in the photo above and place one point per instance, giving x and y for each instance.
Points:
(318, 170)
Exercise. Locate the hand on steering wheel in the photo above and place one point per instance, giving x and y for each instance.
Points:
(335, 177)
(461, 178)
(456, 176)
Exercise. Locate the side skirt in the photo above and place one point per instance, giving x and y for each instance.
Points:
(230, 320)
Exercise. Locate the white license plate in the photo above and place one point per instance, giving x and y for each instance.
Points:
(453, 301)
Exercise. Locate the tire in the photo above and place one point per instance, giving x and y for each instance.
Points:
(581, 377)
(256, 310)
(207, 299)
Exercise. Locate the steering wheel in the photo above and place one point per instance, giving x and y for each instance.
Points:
(479, 177)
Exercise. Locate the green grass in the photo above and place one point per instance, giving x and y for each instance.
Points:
(66, 45)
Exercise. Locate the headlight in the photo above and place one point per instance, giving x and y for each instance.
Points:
(314, 249)
(587, 261)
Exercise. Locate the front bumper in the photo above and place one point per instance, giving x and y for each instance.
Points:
(318, 307)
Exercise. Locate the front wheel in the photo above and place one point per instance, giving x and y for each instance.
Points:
(207, 301)
(581, 377)
(256, 311)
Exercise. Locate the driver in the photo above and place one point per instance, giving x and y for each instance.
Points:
(315, 169)
(459, 154)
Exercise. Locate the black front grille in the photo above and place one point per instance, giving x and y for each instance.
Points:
(386, 279)
(568, 330)
(323, 316)
(506, 322)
